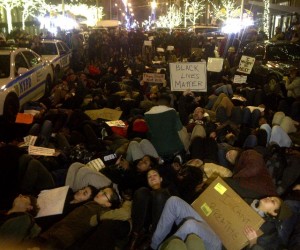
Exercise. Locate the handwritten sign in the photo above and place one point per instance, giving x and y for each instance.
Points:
(215, 64)
(153, 77)
(239, 79)
(105, 114)
(227, 214)
(190, 75)
(34, 150)
(246, 64)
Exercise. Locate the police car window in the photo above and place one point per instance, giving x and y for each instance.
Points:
(20, 62)
(60, 47)
(4, 66)
(66, 48)
(48, 49)
(31, 58)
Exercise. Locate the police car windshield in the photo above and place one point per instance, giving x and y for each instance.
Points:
(48, 49)
(4, 66)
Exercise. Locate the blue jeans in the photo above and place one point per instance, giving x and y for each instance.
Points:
(189, 221)
(289, 236)
(43, 132)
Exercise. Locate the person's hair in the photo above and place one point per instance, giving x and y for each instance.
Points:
(94, 192)
(35, 207)
(164, 99)
(114, 200)
(277, 211)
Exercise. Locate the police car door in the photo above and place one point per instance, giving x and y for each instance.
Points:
(25, 78)
(38, 76)
(65, 54)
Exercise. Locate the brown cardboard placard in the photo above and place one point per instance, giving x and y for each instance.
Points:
(105, 114)
(227, 214)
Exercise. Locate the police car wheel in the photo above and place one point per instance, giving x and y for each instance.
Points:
(11, 108)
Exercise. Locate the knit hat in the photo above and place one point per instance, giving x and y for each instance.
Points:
(140, 125)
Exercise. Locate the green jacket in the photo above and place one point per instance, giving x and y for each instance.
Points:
(164, 124)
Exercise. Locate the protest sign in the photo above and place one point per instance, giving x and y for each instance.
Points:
(246, 64)
(215, 64)
(105, 114)
(51, 202)
(239, 79)
(24, 118)
(153, 77)
(227, 214)
(147, 43)
(190, 75)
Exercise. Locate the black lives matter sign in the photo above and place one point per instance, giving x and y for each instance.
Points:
(190, 76)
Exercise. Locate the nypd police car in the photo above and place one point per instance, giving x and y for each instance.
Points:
(58, 53)
(24, 76)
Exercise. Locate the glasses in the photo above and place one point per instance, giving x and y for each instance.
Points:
(105, 194)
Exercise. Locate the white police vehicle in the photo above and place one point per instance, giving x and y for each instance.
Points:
(58, 53)
(24, 76)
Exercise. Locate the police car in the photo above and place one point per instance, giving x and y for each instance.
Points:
(24, 76)
(58, 53)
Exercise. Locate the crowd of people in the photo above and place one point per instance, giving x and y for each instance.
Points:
(132, 187)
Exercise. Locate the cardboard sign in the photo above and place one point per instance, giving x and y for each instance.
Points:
(227, 214)
(105, 114)
(190, 75)
(246, 64)
(153, 77)
(239, 79)
(215, 64)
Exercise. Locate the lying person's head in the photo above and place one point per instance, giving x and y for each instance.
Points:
(270, 206)
(146, 163)
(154, 179)
(25, 203)
(85, 194)
(108, 197)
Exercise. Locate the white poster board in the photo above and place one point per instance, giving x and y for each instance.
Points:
(147, 43)
(52, 201)
(153, 77)
(190, 76)
(239, 79)
(246, 64)
(215, 64)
